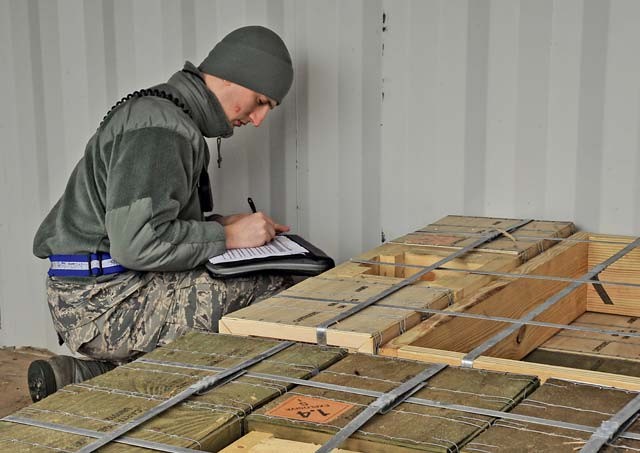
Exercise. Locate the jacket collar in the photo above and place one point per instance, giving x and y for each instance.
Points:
(205, 108)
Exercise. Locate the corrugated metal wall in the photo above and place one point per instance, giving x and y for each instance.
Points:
(401, 112)
(65, 62)
(511, 108)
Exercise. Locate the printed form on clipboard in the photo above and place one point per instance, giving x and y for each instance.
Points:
(288, 253)
(279, 246)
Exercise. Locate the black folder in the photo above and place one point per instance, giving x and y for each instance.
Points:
(312, 263)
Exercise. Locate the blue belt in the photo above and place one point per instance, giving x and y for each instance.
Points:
(89, 265)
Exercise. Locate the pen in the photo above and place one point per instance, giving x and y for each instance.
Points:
(252, 205)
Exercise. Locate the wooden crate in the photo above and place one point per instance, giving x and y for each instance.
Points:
(447, 339)
(313, 415)
(208, 421)
(560, 401)
(296, 313)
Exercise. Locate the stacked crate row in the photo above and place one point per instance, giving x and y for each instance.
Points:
(305, 394)
(264, 400)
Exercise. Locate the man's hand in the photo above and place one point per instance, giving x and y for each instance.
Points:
(252, 230)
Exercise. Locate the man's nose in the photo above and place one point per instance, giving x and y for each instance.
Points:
(258, 115)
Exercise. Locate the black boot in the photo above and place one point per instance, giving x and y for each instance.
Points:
(47, 376)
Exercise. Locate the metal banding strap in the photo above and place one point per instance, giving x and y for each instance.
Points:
(462, 314)
(382, 403)
(88, 265)
(467, 360)
(419, 401)
(200, 386)
(609, 428)
(90, 433)
(321, 329)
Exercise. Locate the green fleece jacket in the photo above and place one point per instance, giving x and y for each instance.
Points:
(134, 194)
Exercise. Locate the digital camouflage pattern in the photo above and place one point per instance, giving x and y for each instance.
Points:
(134, 312)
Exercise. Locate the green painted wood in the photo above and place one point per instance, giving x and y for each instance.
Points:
(408, 427)
(554, 400)
(208, 421)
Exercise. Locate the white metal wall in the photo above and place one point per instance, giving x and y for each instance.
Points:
(401, 112)
(65, 62)
(511, 108)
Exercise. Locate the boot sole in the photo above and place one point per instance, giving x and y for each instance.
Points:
(41, 379)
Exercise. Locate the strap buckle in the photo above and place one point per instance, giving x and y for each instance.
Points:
(95, 264)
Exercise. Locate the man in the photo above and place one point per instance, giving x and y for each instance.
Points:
(128, 238)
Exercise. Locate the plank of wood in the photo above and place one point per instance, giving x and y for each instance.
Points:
(359, 289)
(545, 372)
(584, 362)
(294, 319)
(599, 346)
(626, 300)
(511, 298)
(258, 442)
(542, 371)
(210, 420)
(407, 427)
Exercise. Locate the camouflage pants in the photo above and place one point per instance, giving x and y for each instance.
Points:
(133, 313)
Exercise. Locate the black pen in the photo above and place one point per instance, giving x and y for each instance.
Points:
(252, 205)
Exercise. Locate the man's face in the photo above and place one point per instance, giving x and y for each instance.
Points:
(243, 106)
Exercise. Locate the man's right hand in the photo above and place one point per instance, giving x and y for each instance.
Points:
(252, 231)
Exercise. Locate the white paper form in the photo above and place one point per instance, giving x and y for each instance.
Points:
(279, 246)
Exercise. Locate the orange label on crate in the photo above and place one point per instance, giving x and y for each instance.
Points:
(306, 408)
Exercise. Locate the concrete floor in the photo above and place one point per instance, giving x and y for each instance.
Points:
(14, 363)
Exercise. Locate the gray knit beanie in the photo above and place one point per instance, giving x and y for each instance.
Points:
(254, 57)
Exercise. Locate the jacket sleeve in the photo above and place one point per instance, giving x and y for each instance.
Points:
(151, 180)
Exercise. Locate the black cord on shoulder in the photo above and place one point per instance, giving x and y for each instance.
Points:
(142, 93)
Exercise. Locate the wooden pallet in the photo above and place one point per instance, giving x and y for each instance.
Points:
(447, 339)
(209, 421)
(296, 313)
